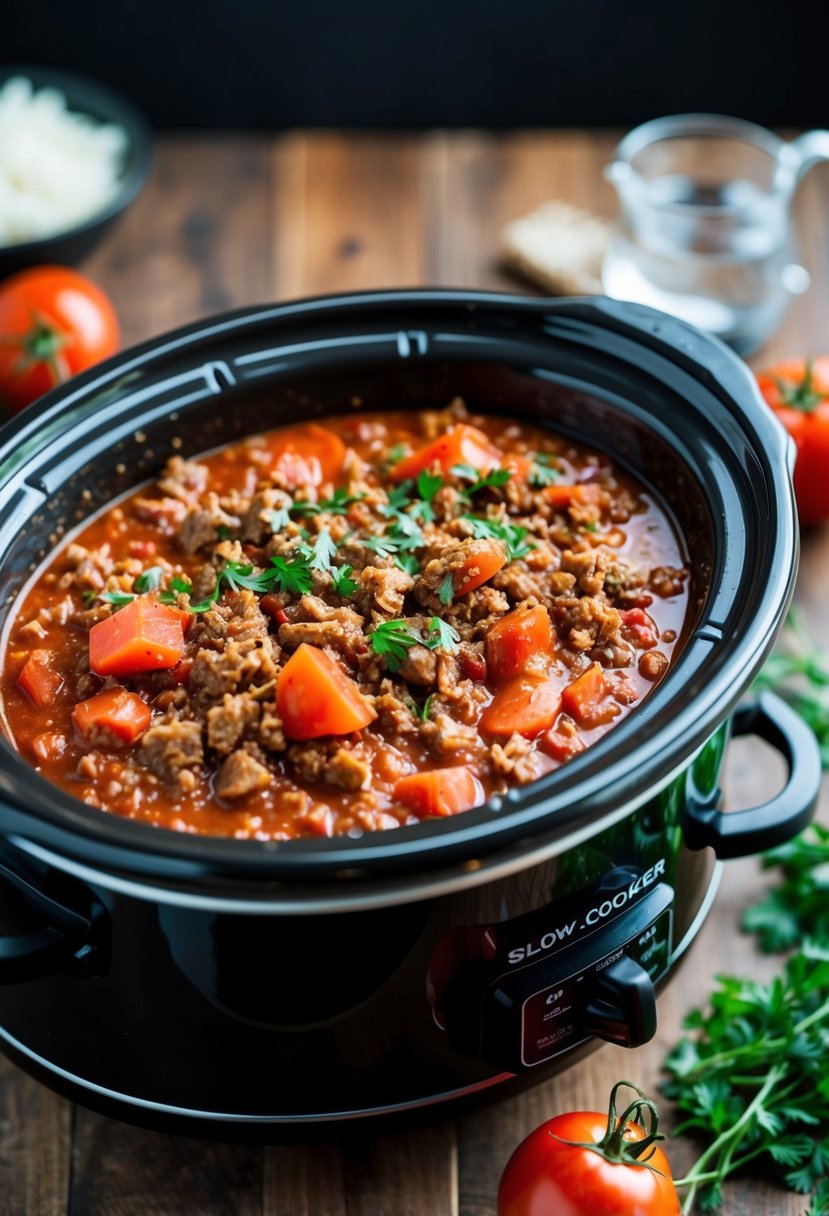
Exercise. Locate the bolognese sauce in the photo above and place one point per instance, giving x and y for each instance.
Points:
(345, 625)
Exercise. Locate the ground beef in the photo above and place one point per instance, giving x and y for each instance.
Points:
(241, 774)
(382, 591)
(331, 764)
(227, 724)
(184, 479)
(459, 562)
(202, 526)
(173, 751)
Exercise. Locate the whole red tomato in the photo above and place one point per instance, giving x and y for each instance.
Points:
(53, 323)
(798, 392)
(587, 1163)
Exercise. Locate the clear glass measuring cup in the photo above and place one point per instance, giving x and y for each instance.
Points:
(704, 227)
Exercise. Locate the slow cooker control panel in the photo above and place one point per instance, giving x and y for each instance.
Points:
(525, 990)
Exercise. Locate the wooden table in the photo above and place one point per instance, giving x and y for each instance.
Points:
(229, 221)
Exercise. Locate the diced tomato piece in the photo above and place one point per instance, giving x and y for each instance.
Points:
(485, 558)
(461, 444)
(441, 791)
(121, 714)
(142, 549)
(526, 705)
(181, 672)
(39, 680)
(142, 636)
(314, 697)
(519, 641)
(587, 698)
(307, 454)
(639, 628)
(473, 665)
(562, 744)
(272, 605)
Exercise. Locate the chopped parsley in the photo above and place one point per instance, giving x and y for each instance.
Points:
(445, 636)
(279, 519)
(343, 583)
(392, 640)
(396, 453)
(511, 534)
(117, 598)
(337, 504)
(446, 590)
(407, 562)
(542, 472)
(425, 709)
(223, 532)
(468, 472)
(383, 546)
(149, 580)
(321, 552)
(178, 586)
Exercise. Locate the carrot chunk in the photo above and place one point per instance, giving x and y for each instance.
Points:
(521, 640)
(441, 791)
(121, 714)
(485, 558)
(526, 705)
(461, 444)
(307, 454)
(586, 699)
(564, 495)
(314, 697)
(142, 636)
(39, 680)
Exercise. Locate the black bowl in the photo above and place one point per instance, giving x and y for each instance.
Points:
(83, 96)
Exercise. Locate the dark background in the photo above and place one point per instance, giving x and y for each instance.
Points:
(263, 63)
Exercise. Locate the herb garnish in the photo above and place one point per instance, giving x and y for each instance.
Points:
(425, 709)
(320, 553)
(446, 590)
(337, 504)
(511, 534)
(468, 472)
(343, 583)
(542, 472)
(117, 598)
(279, 518)
(149, 580)
(392, 640)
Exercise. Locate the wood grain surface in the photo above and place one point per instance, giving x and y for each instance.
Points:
(230, 221)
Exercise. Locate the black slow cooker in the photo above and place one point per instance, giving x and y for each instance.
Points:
(212, 983)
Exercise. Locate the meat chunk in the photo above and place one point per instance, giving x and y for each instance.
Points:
(382, 590)
(184, 479)
(173, 751)
(241, 774)
(203, 525)
(330, 763)
(263, 512)
(235, 719)
(457, 562)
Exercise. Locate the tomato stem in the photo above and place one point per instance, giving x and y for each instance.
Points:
(803, 396)
(614, 1145)
(42, 343)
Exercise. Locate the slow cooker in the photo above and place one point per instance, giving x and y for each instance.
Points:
(225, 985)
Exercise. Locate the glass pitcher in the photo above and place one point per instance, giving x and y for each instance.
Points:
(704, 228)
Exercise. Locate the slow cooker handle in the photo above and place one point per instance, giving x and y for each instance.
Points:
(36, 952)
(740, 833)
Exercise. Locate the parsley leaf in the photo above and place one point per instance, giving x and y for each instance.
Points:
(149, 580)
(511, 534)
(279, 519)
(117, 598)
(343, 583)
(543, 473)
(291, 574)
(426, 708)
(498, 477)
(337, 504)
(407, 562)
(392, 640)
(446, 590)
(178, 586)
(322, 550)
(396, 453)
(446, 637)
(383, 546)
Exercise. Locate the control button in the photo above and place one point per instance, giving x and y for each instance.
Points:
(620, 1004)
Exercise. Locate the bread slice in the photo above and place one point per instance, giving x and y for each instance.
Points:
(560, 247)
